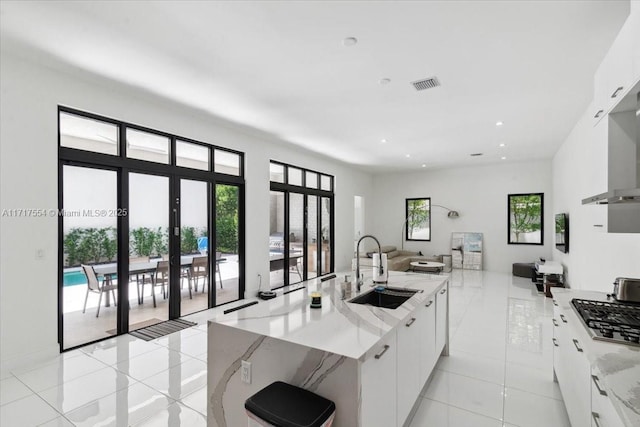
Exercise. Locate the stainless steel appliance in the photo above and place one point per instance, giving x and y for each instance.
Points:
(610, 321)
(626, 289)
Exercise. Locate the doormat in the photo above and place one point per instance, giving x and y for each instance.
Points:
(161, 329)
(138, 325)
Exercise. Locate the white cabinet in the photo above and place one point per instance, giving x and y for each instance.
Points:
(586, 400)
(615, 76)
(602, 412)
(409, 386)
(442, 320)
(394, 372)
(427, 328)
(378, 384)
(572, 370)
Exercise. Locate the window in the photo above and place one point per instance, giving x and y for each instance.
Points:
(301, 216)
(418, 219)
(84, 133)
(227, 162)
(526, 219)
(193, 156)
(147, 146)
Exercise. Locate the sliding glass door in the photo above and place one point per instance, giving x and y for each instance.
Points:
(301, 224)
(148, 249)
(89, 265)
(150, 225)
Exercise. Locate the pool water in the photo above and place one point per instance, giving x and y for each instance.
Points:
(73, 278)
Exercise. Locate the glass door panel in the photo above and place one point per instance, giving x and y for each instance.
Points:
(312, 237)
(148, 250)
(89, 288)
(325, 223)
(276, 239)
(227, 267)
(295, 265)
(194, 243)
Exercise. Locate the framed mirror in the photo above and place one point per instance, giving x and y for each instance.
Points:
(418, 219)
(526, 219)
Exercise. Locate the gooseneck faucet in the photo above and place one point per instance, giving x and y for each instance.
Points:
(359, 281)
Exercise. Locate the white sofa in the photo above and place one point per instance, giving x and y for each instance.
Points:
(400, 260)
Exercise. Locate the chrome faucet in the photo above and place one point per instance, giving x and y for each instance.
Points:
(359, 280)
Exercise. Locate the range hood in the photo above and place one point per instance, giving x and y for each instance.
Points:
(623, 172)
(631, 195)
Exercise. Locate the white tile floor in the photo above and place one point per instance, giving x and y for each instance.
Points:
(498, 374)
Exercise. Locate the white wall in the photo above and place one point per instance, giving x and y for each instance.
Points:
(479, 194)
(595, 258)
(30, 95)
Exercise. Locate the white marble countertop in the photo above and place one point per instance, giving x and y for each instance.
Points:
(339, 327)
(619, 364)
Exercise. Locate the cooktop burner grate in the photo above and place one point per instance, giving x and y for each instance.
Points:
(609, 321)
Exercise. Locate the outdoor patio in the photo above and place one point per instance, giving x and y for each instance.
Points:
(81, 327)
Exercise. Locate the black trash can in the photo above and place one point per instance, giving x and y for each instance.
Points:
(283, 405)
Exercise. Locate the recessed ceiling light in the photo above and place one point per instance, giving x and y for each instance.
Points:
(501, 145)
(503, 158)
(407, 155)
(499, 123)
(475, 154)
(385, 81)
(383, 141)
(350, 41)
(424, 166)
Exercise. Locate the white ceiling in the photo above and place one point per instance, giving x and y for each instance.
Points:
(281, 67)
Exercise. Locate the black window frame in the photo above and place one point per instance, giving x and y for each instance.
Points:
(287, 189)
(509, 241)
(406, 219)
(123, 165)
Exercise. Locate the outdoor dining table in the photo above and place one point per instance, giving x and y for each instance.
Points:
(111, 270)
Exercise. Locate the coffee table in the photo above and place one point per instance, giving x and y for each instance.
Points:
(417, 265)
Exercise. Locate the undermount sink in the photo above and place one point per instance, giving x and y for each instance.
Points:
(391, 298)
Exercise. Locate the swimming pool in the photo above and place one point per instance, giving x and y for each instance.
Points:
(73, 278)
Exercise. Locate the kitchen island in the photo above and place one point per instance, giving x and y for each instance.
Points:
(372, 362)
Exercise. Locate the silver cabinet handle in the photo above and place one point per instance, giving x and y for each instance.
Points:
(384, 350)
(615, 92)
(598, 114)
(410, 322)
(555, 322)
(597, 383)
(577, 344)
(564, 319)
(429, 304)
(596, 418)
(555, 342)
(443, 291)
(598, 225)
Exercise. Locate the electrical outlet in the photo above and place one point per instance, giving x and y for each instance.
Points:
(245, 372)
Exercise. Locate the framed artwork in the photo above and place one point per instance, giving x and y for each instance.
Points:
(466, 251)
(525, 213)
(418, 219)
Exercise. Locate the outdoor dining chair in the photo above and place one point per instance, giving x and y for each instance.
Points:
(162, 279)
(140, 278)
(94, 285)
(200, 268)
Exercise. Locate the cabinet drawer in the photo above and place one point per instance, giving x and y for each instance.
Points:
(603, 414)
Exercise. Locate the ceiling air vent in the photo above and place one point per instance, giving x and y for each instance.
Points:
(424, 84)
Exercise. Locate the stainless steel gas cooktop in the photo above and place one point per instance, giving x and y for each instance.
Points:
(610, 321)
